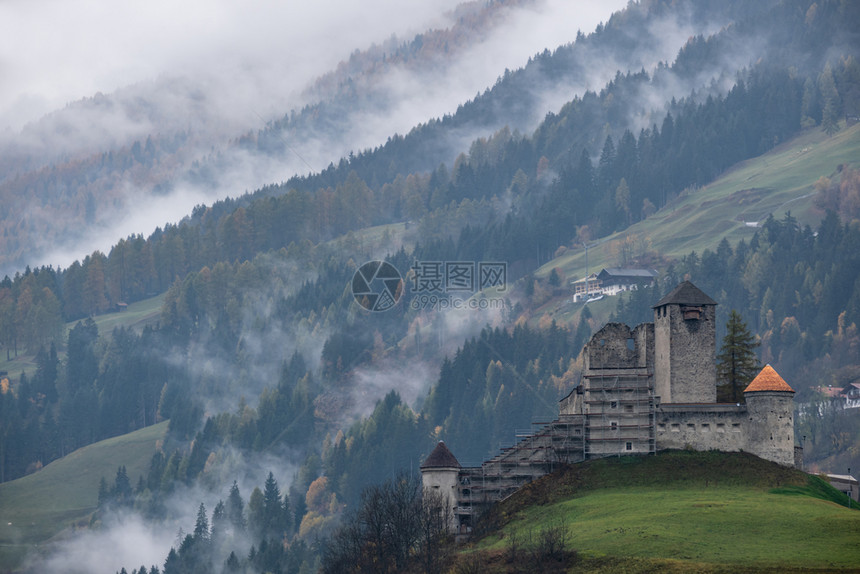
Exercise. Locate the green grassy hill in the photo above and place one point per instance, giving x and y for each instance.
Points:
(678, 511)
(64, 494)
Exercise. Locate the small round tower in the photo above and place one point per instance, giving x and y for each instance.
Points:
(770, 408)
(439, 473)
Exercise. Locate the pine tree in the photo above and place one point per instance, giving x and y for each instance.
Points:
(219, 521)
(122, 491)
(273, 511)
(232, 563)
(104, 493)
(737, 363)
(171, 563)
(256, 521)
(235, 509)
(201, 526)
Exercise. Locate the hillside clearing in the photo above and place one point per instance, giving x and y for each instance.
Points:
(63, 494)
(771, 184)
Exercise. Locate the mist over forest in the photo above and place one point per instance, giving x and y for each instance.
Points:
(184, 218)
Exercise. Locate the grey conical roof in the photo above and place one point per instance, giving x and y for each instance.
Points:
(441, 457)
(686, 294)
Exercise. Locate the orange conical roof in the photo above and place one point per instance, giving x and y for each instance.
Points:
(768, 380)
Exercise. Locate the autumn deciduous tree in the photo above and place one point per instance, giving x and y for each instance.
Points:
(737, 363)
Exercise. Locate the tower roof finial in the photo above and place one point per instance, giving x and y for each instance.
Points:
(685, 294)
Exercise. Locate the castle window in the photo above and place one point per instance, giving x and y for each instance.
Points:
(613, 404)
(692, 313)
(628, 446)
(631, 344)
(721, 427)
(706, 427)
(691, 427)
(676, 427)
(613, 425)
(661, 427)
(736, 427)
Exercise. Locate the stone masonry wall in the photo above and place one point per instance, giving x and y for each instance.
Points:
(662, 365)
(443, 481)
(702, 427)
(770, 432)
(612, 347)
(685, 362)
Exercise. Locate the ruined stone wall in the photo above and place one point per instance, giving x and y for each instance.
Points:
(617, 346)
(572, 403)
(612, 347)
(643, 336)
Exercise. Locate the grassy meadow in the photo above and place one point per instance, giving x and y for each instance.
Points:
(63, 494)
(683, 511)
(779, 181)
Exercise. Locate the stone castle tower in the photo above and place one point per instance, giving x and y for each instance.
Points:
(685, 346)
(770, 408)
(440, 473)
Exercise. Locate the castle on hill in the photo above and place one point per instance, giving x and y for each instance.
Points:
(644, 389)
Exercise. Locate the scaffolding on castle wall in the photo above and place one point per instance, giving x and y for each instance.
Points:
(535, 454)
(618, 417)
(620, 412)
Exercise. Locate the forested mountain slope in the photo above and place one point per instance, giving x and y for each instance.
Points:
(96, 166)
